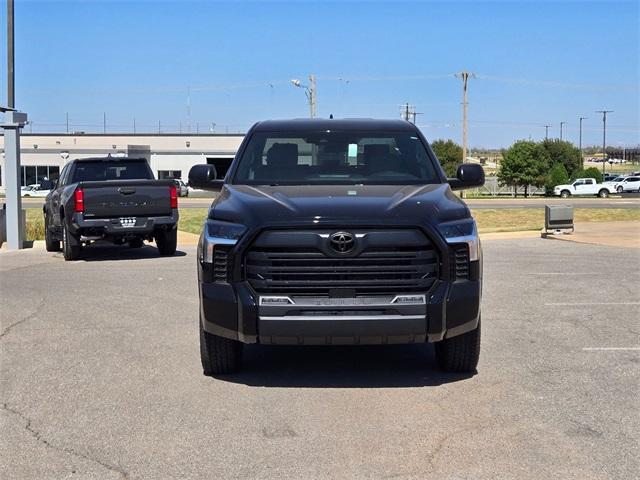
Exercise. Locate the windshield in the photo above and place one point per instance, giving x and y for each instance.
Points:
(88, 171)
(334, 157)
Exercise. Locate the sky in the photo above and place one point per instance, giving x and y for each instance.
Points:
(226, 65)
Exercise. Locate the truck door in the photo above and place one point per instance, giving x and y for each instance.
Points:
(589, 186)
(579, 187)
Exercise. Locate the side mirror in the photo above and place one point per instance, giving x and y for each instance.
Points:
(469, 175)
(204, 177)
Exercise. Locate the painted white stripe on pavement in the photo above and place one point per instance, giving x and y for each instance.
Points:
(606, 349)
(582, 304)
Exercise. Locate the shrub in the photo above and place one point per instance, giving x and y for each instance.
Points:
(557, 176)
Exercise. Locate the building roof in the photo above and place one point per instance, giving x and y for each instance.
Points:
(354, 124)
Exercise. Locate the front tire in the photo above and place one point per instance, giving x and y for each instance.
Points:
(603, 193)
(619, 189)
(167, 241)
(219, 355)
(565, 194)
(71, 247)
(460, 354)
(51, 244)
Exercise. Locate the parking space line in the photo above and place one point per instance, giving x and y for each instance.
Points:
(560, 273)
(608, 349)
(587, 304)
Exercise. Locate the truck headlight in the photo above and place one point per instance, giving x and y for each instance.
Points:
(218, 233)
(462, 231)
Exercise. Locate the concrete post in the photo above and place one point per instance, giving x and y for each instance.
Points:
(14, 121)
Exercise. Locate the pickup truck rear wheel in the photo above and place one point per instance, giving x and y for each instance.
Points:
(219, 355)
(71, 247)
(565, 193)
(604, 193)
(460, 354)
(51, 244)
(166, 241)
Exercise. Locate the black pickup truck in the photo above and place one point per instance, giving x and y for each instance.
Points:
(336, 232)
(111, 198)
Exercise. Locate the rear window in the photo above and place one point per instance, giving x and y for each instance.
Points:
(335, 157)
(99, 171)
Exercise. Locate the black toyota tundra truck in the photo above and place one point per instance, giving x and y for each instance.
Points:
(112, 198)
(334, 232)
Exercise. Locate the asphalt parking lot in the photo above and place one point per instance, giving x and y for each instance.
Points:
(100, 378)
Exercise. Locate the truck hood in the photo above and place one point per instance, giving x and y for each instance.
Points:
(338, 204)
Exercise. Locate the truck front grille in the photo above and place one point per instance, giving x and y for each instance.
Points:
(278, 270)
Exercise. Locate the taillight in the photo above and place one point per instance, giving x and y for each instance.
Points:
(173, 195)
(78, 197)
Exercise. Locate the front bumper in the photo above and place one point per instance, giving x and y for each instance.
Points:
(234, 311)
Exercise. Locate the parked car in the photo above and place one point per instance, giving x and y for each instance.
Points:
(584, 186)
(628, 184)
(615, 179)
(112, 198)
(608, 177)
(338, 232)
(34, 190)
(181, 188)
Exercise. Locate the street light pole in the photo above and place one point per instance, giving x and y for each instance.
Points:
(561, 124)
(11, 74)
(310, 92)
(546, 132)
(580, 144)
(604, 137)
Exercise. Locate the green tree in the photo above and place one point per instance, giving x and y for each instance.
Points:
(563, 152)
(557, 176)
(524, 163)
(449, 154)
(591, 172)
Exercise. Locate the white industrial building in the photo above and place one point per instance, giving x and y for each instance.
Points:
(170, 155)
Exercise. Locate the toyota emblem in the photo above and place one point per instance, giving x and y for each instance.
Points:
(342, 242)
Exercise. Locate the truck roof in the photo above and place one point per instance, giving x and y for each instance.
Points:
(108, 159)
(314, 124)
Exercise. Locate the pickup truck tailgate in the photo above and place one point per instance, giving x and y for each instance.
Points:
(126, 198)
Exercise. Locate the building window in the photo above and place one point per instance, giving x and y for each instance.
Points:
(38, 173)
(165, 174)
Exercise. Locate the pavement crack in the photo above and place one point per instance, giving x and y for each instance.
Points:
(443, 441)
(38, 436)
(25, 319)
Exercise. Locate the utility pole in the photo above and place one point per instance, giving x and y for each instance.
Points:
(580, 144)
(561, 124)
(406, 112)
(67, 122)
(104, 122)
(604, 136)
(465, 77)
(134, 125)
(158, 126)
(546, 132)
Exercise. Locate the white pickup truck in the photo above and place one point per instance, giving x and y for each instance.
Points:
(584, 186)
